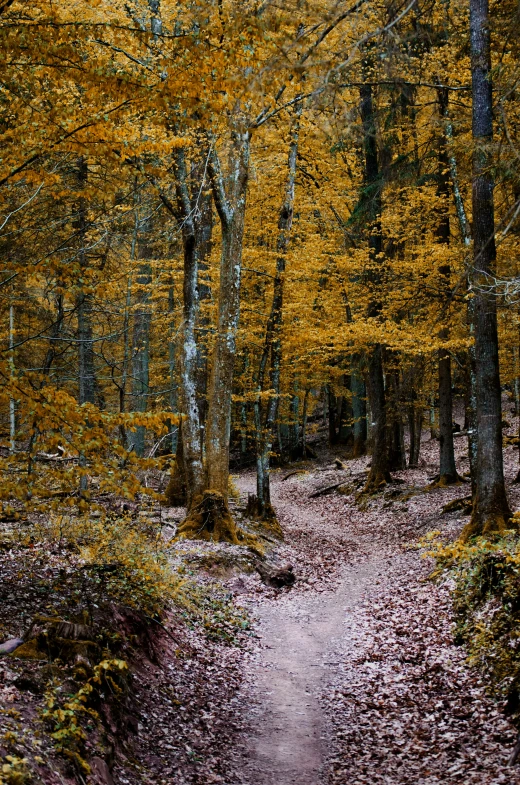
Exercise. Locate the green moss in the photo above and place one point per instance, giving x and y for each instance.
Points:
(29, 651)
(487, 608)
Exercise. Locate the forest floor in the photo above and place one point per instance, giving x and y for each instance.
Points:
(351, 676)
(356, 678)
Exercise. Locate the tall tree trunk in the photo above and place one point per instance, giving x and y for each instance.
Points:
(202, 202)
(332, 414)
(379, 473)
(415, 421)
(471, 385)
(397, 454)
(265, 426)
(86, 373)
(174, 403)
(231, 206)
(208, 513)
(12, 373)
(294, 425)
(87, 379)
(359, 408)
(141, 351)
(490, 506)
(191, 462)
(127, 354)
(448, 470)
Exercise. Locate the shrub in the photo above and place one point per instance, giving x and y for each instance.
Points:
(486, 598)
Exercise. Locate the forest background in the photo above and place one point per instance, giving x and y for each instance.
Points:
(220, 217)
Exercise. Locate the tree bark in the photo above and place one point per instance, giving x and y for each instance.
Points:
(87, 379)
(191, 463)
(202, 205)
(379, 472)
(471, 385)
(359, 408)
(273, 338)
(448, 470)
(331, 412)
(141, 346)
(490, 506)
(397, 454)
(231, 206)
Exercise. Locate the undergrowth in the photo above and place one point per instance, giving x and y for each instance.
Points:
(486, 597)
(68, 716)
(124, 559)
(111, 581)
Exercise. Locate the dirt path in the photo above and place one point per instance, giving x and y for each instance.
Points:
(299, 647)
(356, 678)
(300, 635)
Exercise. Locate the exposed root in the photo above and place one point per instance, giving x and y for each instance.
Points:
(209, 519)
(265, 514)
(495, 525)
(465, 504)
(375, 483)
(327, 489)
(444, 481)
(294, 473)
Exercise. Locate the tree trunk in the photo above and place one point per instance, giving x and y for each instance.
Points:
(294, 425)
(202, 206)
(490, 506)
(415, 422)
(191, 465)
(448, 470)
(332, 414)
(231, 207)
(12, 373)
(359, 409)
(471, 386)
(266, 421)
(379, 473)
(87, 379)
(304, 424)
(141, 351)
(174, 403)
(397, 454)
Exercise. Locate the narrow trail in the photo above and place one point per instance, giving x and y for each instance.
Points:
(300, 636)
(287, 745)
(355, 678)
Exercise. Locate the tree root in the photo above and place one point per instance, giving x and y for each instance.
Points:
(327, 489)
(495, 525)
(375, 483)
(465, 504)
(267, 516)
(209, 519)
(444, 481)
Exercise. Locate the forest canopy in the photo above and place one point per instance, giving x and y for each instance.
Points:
(220, 217)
